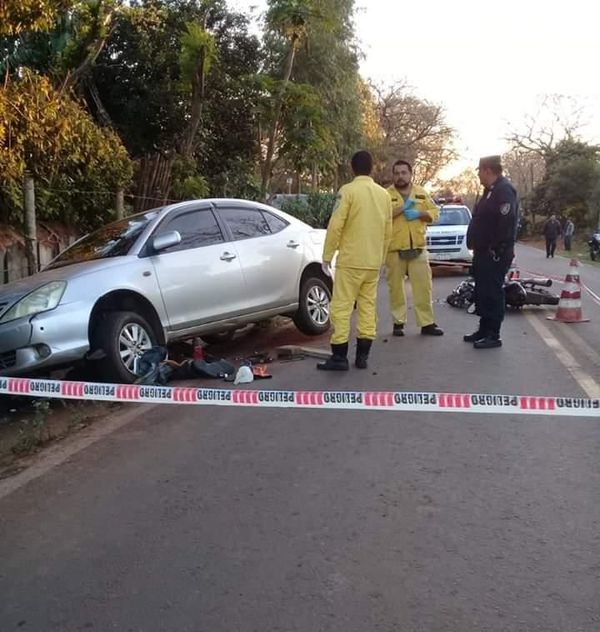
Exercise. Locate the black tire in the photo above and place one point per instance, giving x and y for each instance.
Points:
(110, 338)
(593, 255)
(312, 317)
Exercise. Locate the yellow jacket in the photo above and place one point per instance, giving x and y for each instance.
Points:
(360, 227)
(409, 235)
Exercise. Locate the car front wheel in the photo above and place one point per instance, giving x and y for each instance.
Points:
(123, 336)
(312, 317)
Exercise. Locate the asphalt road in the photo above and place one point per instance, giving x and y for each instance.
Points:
(227, 520)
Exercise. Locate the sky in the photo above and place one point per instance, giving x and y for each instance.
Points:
(489, 64)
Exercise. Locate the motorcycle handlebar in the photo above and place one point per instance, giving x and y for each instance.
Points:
(538, 282)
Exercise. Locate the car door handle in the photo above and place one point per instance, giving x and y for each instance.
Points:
(228, 256)
(292, 244)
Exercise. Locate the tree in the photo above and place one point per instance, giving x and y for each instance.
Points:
(557, 117)
(413, 129)
(45, 132)
(19, 16)
(289, 23)
(329, 65)
(569, 184)
(464, 185)
(198, 54)
(175, 81)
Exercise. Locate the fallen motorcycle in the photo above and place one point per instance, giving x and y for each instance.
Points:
(518, 294)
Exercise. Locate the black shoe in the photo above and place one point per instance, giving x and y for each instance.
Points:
(489, 342)
(363, 346)
(338, 360)
(476, 335)
(431, 330)
(398, 329)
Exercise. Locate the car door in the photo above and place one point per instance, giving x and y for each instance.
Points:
(200, 278)
(271, 252)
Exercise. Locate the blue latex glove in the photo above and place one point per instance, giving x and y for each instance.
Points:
(409, 204)
(411, 214)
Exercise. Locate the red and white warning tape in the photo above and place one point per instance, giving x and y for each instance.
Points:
(325, 400)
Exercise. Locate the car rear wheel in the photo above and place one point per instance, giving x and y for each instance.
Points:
(123, 336)
(312, 317)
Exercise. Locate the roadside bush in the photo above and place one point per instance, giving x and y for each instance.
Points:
(315, 210)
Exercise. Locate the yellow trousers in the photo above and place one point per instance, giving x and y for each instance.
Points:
(418, 271)
(353, 285)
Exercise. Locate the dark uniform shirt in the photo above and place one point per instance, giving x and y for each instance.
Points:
(552, 229)
(494, 223)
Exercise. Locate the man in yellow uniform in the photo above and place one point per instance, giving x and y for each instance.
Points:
(360, 229)
(413, 209)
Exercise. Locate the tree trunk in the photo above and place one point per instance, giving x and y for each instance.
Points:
(198, 93)
(120, 204)
(266, 171)
(30, 223)
(154, 181)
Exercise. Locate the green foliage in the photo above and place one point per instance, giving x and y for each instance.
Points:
(314, 211)
(19, 16)
(570, 184)
(46, 132)
(188, 184)
(33, 432)
(197, 48)
(98, 86)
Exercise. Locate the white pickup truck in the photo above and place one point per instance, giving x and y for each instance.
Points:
(447, 238)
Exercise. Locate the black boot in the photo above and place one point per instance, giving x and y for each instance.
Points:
(482, 332)
(489, 342)
(338, 360)
(363, 346)
(431, 330)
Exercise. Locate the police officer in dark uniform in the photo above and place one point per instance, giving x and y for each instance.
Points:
(491, 236)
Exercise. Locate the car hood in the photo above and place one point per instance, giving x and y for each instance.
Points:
(11, 292)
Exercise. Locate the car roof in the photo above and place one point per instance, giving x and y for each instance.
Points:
(218, 202)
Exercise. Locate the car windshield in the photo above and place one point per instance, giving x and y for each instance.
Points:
(453, 217)
(113, 240)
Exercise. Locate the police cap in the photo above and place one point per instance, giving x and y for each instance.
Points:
(490, 162)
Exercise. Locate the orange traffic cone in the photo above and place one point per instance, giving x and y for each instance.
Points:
(569, 305)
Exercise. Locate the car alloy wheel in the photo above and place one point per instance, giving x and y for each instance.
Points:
(133, 341)
(318, 305)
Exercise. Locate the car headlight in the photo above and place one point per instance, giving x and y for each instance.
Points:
(43, 299)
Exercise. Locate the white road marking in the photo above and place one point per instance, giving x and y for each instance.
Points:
(585, 381)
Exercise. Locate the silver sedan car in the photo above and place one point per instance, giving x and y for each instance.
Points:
(196, 268)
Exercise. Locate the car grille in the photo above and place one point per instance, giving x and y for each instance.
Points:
(445, 240)
(8, 359)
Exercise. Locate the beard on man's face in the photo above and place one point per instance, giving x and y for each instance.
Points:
(401, 181)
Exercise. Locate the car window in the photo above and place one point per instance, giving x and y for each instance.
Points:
(114, 240)
(245, 223)
(453, 217)
(197, 228)
(276, 224)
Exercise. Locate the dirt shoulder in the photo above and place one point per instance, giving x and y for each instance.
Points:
(28, 426)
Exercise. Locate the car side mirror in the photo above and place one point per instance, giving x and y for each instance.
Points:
(162, 242)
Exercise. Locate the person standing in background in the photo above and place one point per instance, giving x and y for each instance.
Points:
(552, 232)
(568, 234)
